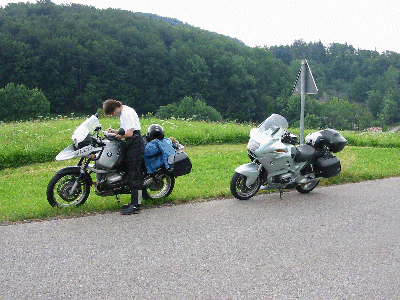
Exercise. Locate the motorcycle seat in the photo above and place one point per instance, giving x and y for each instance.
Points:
(304, 153)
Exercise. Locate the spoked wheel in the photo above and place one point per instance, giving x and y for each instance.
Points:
(160, 187)
(59, 187)
(239, 189)
(307, 187)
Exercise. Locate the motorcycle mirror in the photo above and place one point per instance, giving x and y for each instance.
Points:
(121, 131)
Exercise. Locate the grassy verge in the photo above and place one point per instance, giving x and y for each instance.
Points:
(23, 190)
(25, 143)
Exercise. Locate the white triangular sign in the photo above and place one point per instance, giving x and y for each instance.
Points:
(310, 86)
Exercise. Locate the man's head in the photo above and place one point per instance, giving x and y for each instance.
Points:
(110, 107)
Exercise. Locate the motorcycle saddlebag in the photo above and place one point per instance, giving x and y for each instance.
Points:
(327, 166)
(182, 164)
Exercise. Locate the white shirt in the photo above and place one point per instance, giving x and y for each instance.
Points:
(129, 119)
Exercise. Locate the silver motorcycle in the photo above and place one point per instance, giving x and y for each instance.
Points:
(278, 162)
(100, 154)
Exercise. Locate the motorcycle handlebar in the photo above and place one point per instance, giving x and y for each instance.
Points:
(110, 136)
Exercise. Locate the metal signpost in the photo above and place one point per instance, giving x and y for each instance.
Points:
(306, 85)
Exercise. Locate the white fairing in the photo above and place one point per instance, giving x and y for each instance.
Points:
(78, 136)
(69, 152)
(267, 133)
(84, 129)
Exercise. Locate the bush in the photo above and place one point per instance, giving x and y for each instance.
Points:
(312, 122)
(189, 108)
(19, 103)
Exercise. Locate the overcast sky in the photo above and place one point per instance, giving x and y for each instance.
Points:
(365, 24)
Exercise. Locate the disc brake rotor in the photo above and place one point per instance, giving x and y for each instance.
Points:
(64, 188)
(242, 184)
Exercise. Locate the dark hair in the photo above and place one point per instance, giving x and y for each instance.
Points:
(110, 105)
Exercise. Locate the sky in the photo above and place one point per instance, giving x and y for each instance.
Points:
(364, 24)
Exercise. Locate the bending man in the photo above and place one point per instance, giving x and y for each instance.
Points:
(133, 146)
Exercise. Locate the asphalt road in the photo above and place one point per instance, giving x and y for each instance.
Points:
(339, 242)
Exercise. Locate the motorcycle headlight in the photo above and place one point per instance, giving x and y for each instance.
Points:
(75, 143)
(253, 145)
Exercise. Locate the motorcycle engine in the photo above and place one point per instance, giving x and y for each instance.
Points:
(285, 178)
(113, 178)
(108, 182)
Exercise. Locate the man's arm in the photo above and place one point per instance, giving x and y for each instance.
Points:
(128, 134)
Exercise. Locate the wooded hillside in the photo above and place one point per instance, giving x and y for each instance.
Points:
(79, 56)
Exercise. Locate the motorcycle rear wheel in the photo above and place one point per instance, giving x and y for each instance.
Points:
(59, 187)
(160, 188)
(239, 189)
(307, 187)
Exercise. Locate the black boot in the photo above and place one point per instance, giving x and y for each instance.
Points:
(135, 205)
(129, 210)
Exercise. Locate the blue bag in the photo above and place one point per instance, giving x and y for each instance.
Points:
(156, 154)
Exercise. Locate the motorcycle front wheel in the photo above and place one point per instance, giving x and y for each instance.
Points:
(59, 187)
(161, 187)
(307, 187)
(240, 190)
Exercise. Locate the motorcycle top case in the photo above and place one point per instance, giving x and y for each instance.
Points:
(332, 139)
(327, 166)
(182, 164)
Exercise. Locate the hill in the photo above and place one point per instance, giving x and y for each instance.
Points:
(78, 56)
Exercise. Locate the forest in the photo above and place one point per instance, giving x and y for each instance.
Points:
(78, 56)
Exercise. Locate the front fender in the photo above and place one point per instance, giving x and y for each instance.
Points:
(250, 170)
(74, 170)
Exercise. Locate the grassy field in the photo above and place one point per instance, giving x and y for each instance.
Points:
(23, 190)
(36, 142)
(25, 143)
(27, 152)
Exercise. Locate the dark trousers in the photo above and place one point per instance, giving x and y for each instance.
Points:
(134, 149)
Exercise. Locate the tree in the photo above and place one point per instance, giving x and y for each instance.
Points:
(189, 108)
(339, 114)
(20, 103)
(312, 121)
(390, 111)
(358, 90)
(386, 87)
(363, 118)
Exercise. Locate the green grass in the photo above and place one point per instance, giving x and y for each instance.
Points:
(23, 190)
(370, 139)
(27, 151)
(25, 143)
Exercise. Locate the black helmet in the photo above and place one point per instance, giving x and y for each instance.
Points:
(155, 131)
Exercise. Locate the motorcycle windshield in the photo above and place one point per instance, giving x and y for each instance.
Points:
(84, 129)
(272, 125)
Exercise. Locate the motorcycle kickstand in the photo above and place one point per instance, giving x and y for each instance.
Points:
(280, 193)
